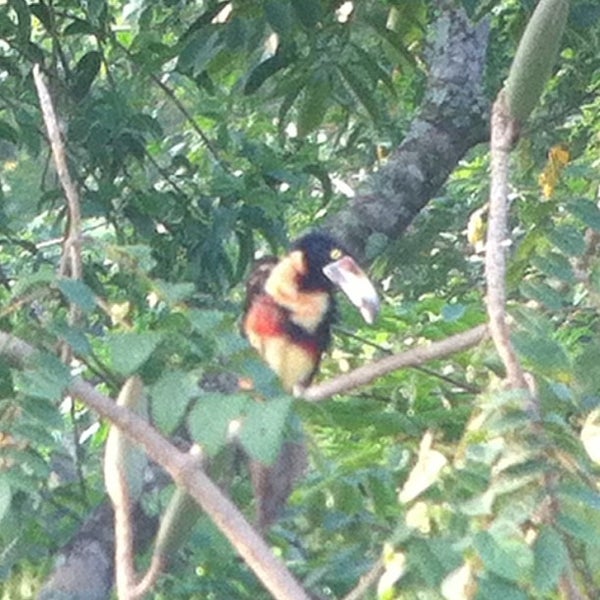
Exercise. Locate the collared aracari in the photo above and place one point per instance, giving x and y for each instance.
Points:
(290, 306)
(289, 311)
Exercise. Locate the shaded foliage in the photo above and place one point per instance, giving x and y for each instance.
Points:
(199, 139)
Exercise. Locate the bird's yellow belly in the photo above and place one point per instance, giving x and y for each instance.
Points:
(293, 363)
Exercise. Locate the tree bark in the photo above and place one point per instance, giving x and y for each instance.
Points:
(453, 117)
(85, 566)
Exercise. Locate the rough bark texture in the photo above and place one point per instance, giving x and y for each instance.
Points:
(85, 566)
(452, 119)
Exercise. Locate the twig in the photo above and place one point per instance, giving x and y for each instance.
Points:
(124, 543)
(366, 581)
(472, 389)
(504, 133)
(184, 470)
(72, 263)
(182, 109)
(411, 358)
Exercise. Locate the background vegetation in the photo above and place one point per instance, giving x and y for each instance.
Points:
(203, 133)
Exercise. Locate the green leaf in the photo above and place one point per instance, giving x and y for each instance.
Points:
(580, 494)
(5, 496)
(543, 354)
(44, 411)
(42, 12)
(205, 321)
(578, 527)
(79, 27)
(363, 92)
(543, 293)
(586, 367)
(555, 265)
(23, 18)
(85, 72)
(74, 336)
(78, 293)
(586, 211)
(376, 72)
(313, 104)
(567, 239)
(551, 558)
(42, 278)
(170, 396)
(308, 12)
(453, 312)
(129, 351)
(494, 587)
(96, 8)
(210, 419)
(174, 293)
(280, 17)
(264, 70)
(263, 428)
(199, 51)
(434, 559)
(8, 133)
(505, 555)
(45, 377)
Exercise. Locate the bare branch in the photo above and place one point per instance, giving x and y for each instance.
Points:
(504, 134)
(184, 471)
(411, 358)
(71, 263)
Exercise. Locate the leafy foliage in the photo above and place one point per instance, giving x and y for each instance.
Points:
(201, 133)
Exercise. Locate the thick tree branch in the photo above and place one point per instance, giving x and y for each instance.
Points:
(184, 471)
(411, 358)
(453, 117)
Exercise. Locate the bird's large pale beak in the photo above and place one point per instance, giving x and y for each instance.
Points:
(353, 281)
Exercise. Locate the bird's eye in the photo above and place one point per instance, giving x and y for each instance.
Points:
(336, 254)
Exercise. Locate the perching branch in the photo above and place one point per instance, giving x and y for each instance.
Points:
(184, 470)
(411, 358)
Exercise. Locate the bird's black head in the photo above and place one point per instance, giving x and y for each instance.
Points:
(319, 250)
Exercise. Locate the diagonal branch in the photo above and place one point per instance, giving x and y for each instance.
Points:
(71, 263)
(452, 118)
(411, 358)
(184, 470)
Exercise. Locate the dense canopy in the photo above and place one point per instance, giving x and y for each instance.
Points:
(199, 135)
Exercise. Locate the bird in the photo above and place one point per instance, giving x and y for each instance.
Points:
(288, 314)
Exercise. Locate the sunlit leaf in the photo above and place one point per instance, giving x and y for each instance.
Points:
(425, 473)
